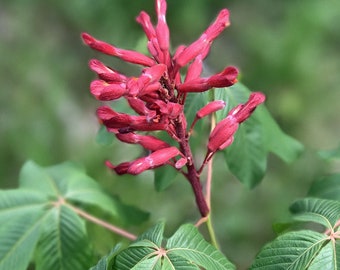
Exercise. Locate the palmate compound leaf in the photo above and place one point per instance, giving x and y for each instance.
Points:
(21, 216)
(256, 137)
(47, 193)
(291, 251)
(324, 212)
(185, 250)
(18, 238)
(70, 181)
(63, 243)
(306, 249)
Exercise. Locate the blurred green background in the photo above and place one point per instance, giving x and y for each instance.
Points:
(288, 49)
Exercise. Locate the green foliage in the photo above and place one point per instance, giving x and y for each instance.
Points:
(306, 249)
(41, 216)
(186, 249)
(255, 139)
(328, 187)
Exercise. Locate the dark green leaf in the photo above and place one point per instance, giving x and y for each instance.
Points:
(327, 187)
(164, 177)
(247, 156)
(293, 250)
(104, 263)
(131, 214)
(325, 212)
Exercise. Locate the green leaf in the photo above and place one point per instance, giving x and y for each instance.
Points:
(104, 263)
(68, 180)
(256, 137)
(164, 177)
(34, 177)
(293, 251)
(104, 137)
(327, 187)
(326, 260)
(330, 154)
(14, 203)
(185, 250)
(325, 212)
(247, 156)
(64, 243)
(131, 214)
(18, 238)
(189, 244)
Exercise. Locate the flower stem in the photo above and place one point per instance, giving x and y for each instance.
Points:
(212, 233)
(192, 174)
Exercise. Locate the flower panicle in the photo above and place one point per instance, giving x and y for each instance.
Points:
(157, 97)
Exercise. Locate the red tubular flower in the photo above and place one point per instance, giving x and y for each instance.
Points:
(226, 78)
(107, 91)
(147, 141)
(126, 55)
(155, 159)
(210, 108)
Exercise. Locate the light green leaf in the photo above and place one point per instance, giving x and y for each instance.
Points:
(14, 203)
(34, 177)
(327, 187)
(330, 154)
(325, 212)
(18, 238)
(64, 244)
(67, 180)
(104, 137)
(293, 251)
(185, 250)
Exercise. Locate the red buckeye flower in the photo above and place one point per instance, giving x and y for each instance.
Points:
(157, 97)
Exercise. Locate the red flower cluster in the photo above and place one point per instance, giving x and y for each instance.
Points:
(158, 95)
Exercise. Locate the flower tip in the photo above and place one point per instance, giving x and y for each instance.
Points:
(87, 39)
(257, 97)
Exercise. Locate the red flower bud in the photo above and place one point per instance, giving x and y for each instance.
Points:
(243, 111)
(144, 20)
(221, 22)
(147, 141)
(222, 132)
(225, 78)
(105, 72)
(211, 107)
(126, 55)
(155, 159)
(107, 91)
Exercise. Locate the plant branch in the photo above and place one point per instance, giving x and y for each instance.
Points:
(192, 174)
(103, 223)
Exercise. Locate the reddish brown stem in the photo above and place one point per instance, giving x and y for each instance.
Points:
(192, 174)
